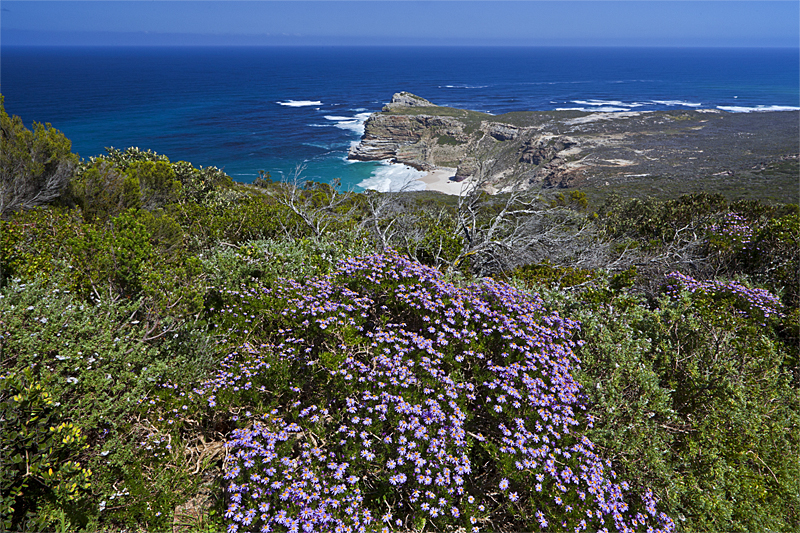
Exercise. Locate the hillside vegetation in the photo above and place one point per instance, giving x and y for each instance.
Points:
(179, 352)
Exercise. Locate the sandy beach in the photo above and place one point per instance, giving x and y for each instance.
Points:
(439, 180)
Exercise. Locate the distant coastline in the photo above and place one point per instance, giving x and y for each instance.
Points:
(574, 148)
(226, 107)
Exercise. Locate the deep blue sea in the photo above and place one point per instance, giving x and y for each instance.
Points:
(274, 108)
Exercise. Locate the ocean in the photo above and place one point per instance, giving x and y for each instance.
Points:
(280, 109)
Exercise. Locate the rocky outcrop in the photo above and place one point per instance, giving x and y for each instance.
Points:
(467, 168)
(501, 132)
(573, 148)
(556, 175)
(396, 135)
(543, 150)
(404, 99)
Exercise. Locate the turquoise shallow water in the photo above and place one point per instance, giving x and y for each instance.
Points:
(274, 109)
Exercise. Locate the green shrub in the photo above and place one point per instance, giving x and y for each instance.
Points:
(551, 275)
(31, 242)
(83, 368)
(114, 254)
(447, 140)
(662, 221)
(693, 398)
(40, 451)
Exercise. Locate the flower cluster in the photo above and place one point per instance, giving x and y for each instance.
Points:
(413, 401)
(734, 228)
(751, 302)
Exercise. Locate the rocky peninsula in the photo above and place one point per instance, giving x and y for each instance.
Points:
(703, 148)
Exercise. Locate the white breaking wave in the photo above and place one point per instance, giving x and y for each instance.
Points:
(299, 103)
(463, 86)
(676, 102)
(757, 109)
(354, 124)
(606, 103)
(604, 109)
(394, 177)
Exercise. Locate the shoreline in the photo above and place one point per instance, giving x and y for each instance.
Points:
(438, 180)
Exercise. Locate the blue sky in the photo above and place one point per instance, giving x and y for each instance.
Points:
(523, 23)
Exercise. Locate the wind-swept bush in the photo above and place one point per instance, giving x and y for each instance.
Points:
(35, 166)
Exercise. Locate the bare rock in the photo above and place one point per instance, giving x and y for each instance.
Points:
(543, 150)
(466, 169)
(502, 132)
(562, 177)
(406, 99)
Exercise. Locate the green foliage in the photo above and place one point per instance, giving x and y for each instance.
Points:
(109, 184)
(102, 191)
(575, 199)
(251, 218)
(552, 276)
(32, 241)
(122, 159)
(157, 182)
(114, 254)
(440, 244)
(764, 245)
(39, 450)
(230, 267)
(447, 140)
(35, 166)
(652, 219)
(264, 179)
(82, 368)
(694, 399)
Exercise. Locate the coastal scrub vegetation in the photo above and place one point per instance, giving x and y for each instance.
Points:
(179, 352)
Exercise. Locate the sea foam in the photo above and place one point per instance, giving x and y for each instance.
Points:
(603, 109)
(300, 103)
(463, 86)
(394, 177)
(606, 103)
(676, 102)
(354, 124)
(757, 109)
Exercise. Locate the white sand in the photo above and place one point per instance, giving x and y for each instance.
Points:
(439, 180)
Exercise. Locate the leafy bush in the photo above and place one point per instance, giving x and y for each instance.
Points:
(74, 374)
(694, 399)
(660, 221)
(32, 242)
(552, 275)
(106, 185)
(102, 191)
(39, 451)
(113, 254)
(265, 261)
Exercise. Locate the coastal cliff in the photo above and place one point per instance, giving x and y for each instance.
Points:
(560, 149)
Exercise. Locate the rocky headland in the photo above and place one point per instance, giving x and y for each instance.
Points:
(561, 149)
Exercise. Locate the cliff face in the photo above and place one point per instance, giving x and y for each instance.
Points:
(410, 130)
(571, 148)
